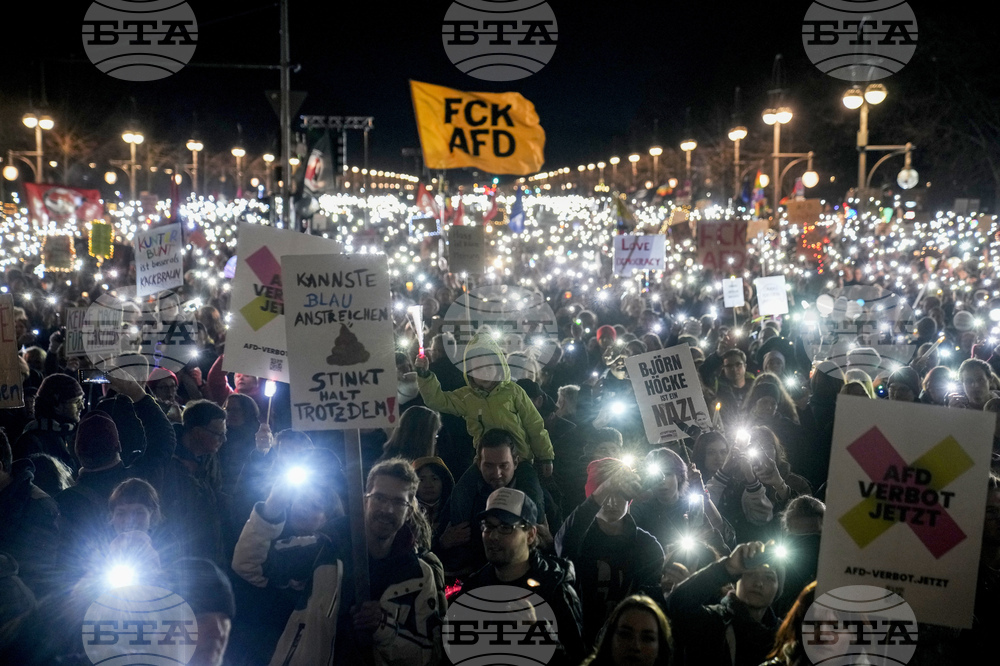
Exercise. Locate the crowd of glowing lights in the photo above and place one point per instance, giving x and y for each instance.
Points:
(567, 240)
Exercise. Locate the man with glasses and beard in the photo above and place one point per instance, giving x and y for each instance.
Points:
(400, 624)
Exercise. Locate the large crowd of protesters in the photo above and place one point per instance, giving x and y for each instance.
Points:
(518, 460)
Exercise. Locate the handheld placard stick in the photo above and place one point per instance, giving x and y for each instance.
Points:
(356, 512)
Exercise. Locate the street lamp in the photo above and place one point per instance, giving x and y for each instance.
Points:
(239, 154)
(688, 146)
(656, 151)
(133, 139)
(600, 166)
(195, 147)
(31, 121)
(736, 135)
(614, 169)
(634, 159)
(777, 118)
(874, 94)
(268, 160)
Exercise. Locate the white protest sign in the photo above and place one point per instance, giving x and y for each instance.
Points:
(11, 395)
(639, 253)
(905, 504)
(159, 259)
(75, 318)
(732, 293)
(467, 250)
(772, 297)
(338, 320)
(255, 343)
(668, 391)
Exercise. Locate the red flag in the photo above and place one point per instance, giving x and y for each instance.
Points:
(63, 206)
(426, 203)
(492, 212)
(460, 212)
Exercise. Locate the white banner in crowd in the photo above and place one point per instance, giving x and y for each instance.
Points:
(772, 296)
(467, 250)
(639, 253)
(668, 390)
(11, 395)
(732, 293)
(159, 259)
(255, 343)
(339, 326)
(905, 504)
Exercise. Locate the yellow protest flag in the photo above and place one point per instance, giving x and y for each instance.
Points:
(495, 132)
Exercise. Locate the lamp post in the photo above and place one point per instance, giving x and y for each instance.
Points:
(268, 160)
(854, 98)
(656, 151)
(777, 118)
(736, 135)
(195, 147)
(239, 154)
(31, 121)
(634, 159)
(614, 169)
(688, 146)
(600, 166)
(133, 139)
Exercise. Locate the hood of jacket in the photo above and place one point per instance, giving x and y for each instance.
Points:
(484, 352)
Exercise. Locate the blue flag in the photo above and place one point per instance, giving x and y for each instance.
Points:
(516, 224)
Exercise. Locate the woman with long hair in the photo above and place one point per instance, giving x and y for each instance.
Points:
(709, 453)
(416, 436)
(788, 650)
(636, 633)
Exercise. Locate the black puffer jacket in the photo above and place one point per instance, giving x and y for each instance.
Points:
(555, 578)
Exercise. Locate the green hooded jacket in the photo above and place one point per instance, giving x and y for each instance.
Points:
(506, 406)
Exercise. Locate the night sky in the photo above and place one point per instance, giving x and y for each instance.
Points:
(618, 69)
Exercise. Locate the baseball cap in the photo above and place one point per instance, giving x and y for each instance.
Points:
(510, 506)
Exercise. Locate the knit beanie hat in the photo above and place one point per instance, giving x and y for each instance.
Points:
(606, 330)
(54, 389)
(96, 439)
(601, 470)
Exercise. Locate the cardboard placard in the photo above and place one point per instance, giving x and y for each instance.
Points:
(159, 259)
(905, 504)
(806, 211)
(639, 253)
(75, 318)
(722, 245)
(467, 250)
(338, 321)
(732, 293)
(668, 390)
(255, 343)
(772, 297)
(11, 395)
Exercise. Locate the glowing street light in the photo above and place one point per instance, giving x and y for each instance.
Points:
(133, 139)
(656, 151)
(195, 147)
(874, 94)
(239, 154)
(736, 135)
(777, 118)
(688, 146)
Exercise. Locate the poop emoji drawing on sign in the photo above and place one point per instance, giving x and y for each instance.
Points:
(347, 349)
